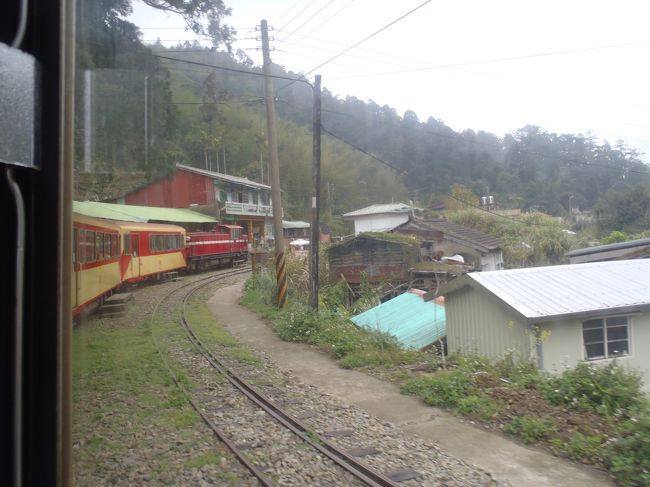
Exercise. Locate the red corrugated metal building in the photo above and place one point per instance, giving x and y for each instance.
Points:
(182, 190)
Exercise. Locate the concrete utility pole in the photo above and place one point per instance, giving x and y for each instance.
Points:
(315, 201)
(274, 172)
(146, 121)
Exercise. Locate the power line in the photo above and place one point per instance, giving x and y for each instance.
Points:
(360, 56)
(326, 41)
(331, 17)
(223, 68)
(308, 20)
(379, 159)
(286, 12)
(494, 60)
(358, 43)
(298, 14)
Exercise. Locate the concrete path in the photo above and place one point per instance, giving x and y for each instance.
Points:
(519, 465)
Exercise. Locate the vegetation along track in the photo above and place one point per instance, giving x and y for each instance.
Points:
(280, 439)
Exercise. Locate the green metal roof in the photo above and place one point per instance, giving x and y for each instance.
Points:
(414, 322)
(142, 214)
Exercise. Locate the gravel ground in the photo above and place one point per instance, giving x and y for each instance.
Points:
(164, 456)
(322, 413)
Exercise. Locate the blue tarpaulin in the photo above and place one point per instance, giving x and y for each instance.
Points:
(414, 322)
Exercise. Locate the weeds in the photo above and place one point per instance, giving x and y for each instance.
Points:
(608, 390)
(530, 429)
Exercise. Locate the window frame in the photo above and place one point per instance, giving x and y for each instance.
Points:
(606, 340)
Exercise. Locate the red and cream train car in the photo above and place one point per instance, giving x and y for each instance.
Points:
(108, 253)
(150, 249)
(96, 260)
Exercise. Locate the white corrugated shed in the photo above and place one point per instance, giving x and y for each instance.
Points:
(561, 291)
(381, 209)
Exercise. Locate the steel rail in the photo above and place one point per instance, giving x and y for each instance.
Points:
(241, 457)
(346, 461)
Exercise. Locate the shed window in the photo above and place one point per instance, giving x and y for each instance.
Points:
(606, 337)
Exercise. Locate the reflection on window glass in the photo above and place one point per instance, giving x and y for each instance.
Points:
(19, 84)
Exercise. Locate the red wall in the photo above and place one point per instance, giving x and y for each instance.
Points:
(184, 189)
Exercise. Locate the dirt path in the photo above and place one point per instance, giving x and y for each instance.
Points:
(519, 465)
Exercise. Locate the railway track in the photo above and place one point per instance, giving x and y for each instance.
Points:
(256, 404)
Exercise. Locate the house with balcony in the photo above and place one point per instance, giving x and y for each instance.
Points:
(229, 199)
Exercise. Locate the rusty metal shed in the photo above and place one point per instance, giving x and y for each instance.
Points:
(381, 257)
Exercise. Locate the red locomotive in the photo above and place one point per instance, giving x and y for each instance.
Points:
(226, 245)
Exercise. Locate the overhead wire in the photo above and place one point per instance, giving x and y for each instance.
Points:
(357, 43)
(298, 14)
(369, 154)
(223, 68)
(286, 12)
(495, 60)
(331, 17)
(307, 21)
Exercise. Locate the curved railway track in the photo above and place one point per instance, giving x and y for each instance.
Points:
(360, 471)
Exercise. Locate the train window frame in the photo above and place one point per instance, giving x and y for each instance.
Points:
(126, 244)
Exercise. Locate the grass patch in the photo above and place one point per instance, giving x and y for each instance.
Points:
(179, 419)
(204, 459)
(531, 429)
(583, 447)
(124, 401)
(211, 333)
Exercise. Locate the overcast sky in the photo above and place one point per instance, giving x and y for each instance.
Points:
(566, 65)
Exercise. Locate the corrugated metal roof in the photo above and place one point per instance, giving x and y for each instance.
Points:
(294, 224)
(379, 209)
(605, 248)
(459, 233)
(133, 213)
(414, 322)
(555, 292)
(223, 177)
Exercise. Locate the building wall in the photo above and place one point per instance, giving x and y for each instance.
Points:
(562, 348)
(183, 190)
(482, 325)
(492, 261)
(378, 223)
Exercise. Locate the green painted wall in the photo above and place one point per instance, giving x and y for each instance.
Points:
(479, 324)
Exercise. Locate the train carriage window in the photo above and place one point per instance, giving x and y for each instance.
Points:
(75, 250)
(108, 247)
(116, 248)
(99, 246)
(127, 244)
(90, 246)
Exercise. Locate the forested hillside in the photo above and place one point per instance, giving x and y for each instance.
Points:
(214, 118)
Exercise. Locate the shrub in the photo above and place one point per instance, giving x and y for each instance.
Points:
(520, 374)
(478, 407)
(588, 448)
(608, 390)
(629, 456)
(445, 388)
(530, 429)
(298, 324)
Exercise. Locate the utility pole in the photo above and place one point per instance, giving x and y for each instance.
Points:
(315, 200)
(146, 122)
(274, 172)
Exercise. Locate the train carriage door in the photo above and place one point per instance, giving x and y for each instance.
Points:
(135, 255)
